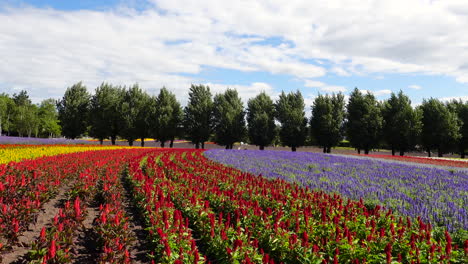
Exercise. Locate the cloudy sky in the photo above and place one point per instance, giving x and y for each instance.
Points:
(418, 46)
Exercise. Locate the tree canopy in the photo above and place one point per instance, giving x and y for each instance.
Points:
(73, 110)
(364, 121)
(261, 120)
(327, 120)
(289, 109)
(229, 122)
(198, 115)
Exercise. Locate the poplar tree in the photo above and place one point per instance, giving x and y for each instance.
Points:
(198, 115)
(364, 121)
(167, 117)
(73, 111)
(261, 120)
(327, 120)
(401, 123)
(289, 109)
(440, 126)
(228, 117)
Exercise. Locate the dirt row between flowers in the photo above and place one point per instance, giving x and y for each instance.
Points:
(85, 238)
(19, 252)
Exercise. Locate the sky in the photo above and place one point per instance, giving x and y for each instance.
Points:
(317, 47)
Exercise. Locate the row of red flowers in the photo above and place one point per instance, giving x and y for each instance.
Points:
(244, 218)
(423, 160)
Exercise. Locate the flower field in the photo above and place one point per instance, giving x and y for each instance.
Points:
(194, 210)
(10, 153)
(436, 195)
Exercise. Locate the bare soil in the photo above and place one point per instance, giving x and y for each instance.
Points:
(19, 252)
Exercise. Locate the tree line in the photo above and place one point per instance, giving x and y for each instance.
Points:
(20, 117)
(130, 113)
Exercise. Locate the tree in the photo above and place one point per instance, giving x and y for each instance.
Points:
(198, 115)
(7, 109)
(168, 117)
(73, 111)
(440, 127)
(48, 119)
(261, 120)
(290, 113)
(463, 116)
(25, 116)
(327, 120)
(135, 115)
(228, 116)
(106, 110)
(462, 112)
(364, 121)
(401, 123)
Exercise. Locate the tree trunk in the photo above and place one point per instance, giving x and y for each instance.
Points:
(293, 148)
(227, 146)
(101, 141)
(429, 153)
(197, 145)
(203, 145)
(162, 144)
(329, 150)
(359, 151)
(324, 149)
(172, 143)
(261, 147)
(366, 151)
(113, 140)
(402, 152)
(142, 142)
(130, 142)
(462, 154)
(439, 152)
(393, 151)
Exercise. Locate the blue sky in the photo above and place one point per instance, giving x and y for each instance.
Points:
(317, 47)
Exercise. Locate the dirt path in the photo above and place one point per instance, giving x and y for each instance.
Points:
(85, 241)
(19, 252)
(140, 246)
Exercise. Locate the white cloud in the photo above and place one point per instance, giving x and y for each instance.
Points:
(245, 91)
(381, 92)
(45, 50)
(447, 99)
(333, 88)
(313, 84)
(415, 87)
(376, 93)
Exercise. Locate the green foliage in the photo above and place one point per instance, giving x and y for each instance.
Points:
(7, 109)
(198, 115)
(48, 118)
(440, 126)
(290, 113)
(105, 112)
(261, 120)
(25, 117)
(167, 117)
(327, 120)
(461, 109)
(364, 121)
(229, 122)
(402, 124)
(135, 114)
(73, 111)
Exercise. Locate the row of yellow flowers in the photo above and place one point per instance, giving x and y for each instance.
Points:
(18, 153)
